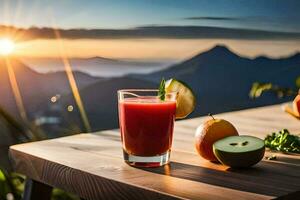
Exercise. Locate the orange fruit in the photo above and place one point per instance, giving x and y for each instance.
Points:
(296, 105)
(208, 133)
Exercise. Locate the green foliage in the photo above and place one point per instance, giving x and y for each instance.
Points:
(283, 141)
(13, 183)
(59, 194)
(259, 88)
(20, 131)
(4, 187)
(298, 82)
(10, 183)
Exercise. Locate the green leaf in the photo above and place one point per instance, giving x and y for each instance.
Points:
(258, 89)
(283, 141)
(59, 194)
(298, 82)
(4, 186)
(2, 176)
(162, 90)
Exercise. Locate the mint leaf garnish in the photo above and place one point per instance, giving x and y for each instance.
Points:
(161, 90)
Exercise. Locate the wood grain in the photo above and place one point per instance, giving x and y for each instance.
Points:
(91, 165)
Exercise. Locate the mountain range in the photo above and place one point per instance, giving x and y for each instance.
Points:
(97, 66)
(220, 79)
(35, 89)
(154, 31)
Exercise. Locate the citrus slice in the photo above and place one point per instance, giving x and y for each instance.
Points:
(186, 100)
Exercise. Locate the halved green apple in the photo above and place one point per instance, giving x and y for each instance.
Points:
(239, 151)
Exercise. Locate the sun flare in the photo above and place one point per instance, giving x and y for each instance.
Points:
(7, 46)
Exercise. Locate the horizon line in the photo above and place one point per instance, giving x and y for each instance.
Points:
(153, 31)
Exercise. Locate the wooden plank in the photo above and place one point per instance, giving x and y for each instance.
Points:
(102, 166)
(91, 165)
(79, 180)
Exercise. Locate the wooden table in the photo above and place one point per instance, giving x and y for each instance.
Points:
(91, 165)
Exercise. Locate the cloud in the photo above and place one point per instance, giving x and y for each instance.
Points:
(212, 18)
(172, 32)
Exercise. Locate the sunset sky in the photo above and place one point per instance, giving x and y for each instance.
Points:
(279, 18)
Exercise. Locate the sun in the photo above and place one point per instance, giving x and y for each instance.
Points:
(7, 46)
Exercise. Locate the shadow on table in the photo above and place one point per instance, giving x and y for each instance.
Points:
(287, 158)
(266, 178)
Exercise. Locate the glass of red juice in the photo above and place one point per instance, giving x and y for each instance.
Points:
(146, 125)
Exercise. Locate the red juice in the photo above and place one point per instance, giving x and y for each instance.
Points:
(146, 125)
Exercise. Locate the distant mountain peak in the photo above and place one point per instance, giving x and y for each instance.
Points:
(17, 65)
(220, 49)
(296, 55)
(101, 58)
(217, 52)
(262, 58)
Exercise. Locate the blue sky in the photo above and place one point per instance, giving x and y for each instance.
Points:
(278, 15)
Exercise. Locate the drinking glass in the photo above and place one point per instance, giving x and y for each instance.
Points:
(146, 125)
